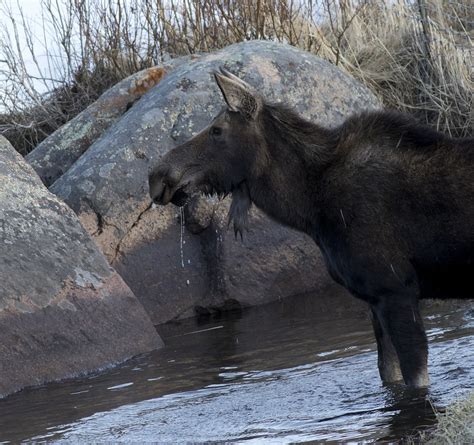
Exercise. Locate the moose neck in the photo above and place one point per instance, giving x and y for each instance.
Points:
(298, 154)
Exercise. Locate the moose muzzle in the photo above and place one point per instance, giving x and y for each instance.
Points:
(165, 187)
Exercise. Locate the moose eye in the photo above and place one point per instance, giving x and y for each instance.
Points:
(216, 131)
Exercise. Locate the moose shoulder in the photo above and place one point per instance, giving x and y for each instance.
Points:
(390, 203)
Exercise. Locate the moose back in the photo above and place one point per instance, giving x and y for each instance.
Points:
(389, 202)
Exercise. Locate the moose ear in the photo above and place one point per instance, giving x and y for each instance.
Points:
(240, 96)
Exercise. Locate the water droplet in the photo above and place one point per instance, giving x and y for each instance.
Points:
(181, 243)
(79, 392)
(154, 379)
(123, 385)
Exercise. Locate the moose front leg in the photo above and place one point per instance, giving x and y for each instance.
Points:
(400, 318)
(392, 290)
(389, 366)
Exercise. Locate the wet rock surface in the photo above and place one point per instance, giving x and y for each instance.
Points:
(63, 310)
(107, 187)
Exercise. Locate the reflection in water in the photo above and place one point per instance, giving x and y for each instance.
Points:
(299, 370)
(409, 408)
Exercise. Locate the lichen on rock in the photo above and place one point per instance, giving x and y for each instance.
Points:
(63, 310)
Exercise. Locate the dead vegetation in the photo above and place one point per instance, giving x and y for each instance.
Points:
(415, 55)
(455, 426)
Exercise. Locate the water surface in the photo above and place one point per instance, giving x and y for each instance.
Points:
(298, 370)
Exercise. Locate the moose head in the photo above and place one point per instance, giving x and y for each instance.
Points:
(221, 158)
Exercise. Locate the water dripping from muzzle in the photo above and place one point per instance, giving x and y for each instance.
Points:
(181, 242)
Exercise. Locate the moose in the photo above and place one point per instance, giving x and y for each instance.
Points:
(389, 202)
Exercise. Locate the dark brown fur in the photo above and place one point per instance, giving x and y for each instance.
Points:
(389, 202)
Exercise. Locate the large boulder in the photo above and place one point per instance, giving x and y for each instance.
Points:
(55, 155)
(172, 270)
(63, 310)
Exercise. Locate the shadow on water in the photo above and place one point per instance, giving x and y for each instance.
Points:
(299, 370)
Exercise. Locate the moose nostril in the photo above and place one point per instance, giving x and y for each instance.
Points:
(156, 187)
(163, 182)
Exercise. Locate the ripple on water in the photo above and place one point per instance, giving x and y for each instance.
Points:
(298, 373)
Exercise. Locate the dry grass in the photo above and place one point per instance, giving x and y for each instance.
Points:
(455, 426)
(419, 67)
(415, 55)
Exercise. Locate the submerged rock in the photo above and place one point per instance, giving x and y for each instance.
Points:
(107, 187)
(63, 310)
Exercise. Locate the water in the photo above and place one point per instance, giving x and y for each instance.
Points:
(182, 224)
(299, 370)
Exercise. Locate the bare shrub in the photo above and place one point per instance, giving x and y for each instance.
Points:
(415, 55)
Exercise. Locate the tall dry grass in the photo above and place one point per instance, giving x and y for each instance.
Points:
(416, 55)
(454, 426)
(420, 63)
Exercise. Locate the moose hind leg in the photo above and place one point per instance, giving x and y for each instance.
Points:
(388, 363)
(401, 319)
